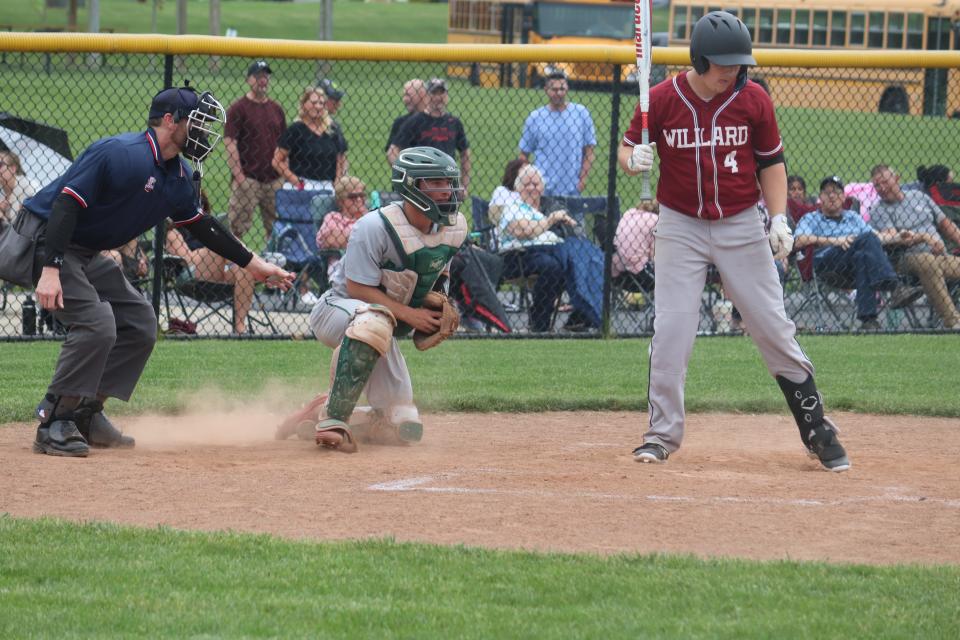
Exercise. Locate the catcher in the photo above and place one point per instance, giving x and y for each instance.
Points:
(390, 282)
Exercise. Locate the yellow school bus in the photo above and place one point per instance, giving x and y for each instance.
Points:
(543, 22)
(846, 24)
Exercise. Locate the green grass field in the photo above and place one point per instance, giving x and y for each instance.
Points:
(99, 580)
(105, 581)
(879, 374)
(352, 20)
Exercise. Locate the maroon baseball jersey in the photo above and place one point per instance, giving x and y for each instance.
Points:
(708, 150)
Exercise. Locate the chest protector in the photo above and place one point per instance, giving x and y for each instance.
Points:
(422, 254)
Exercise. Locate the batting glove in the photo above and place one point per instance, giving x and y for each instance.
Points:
(641, 158)
(781, 238)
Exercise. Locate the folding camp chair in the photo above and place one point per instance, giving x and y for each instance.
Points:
(294, 236)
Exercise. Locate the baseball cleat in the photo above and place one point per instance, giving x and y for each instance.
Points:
(335, 434)
(825, 447)
(651, 452)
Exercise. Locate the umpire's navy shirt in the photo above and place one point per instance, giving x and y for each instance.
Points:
(125, 188)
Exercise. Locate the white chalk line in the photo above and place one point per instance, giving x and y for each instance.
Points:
(417, 485)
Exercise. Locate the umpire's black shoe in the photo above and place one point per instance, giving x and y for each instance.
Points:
(824, 445)
(60, 437)
(97, 428)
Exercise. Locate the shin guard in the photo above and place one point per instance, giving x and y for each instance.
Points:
(354, 365)
(805, 403)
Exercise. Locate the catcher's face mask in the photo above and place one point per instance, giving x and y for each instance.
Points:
(204, 128)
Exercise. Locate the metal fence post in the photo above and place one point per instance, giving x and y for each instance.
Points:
(613, 215)
(160, 231)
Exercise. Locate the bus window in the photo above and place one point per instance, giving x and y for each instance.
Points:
(838, 29)
(801, 35)
(765, 32)
(915, 31)
(895, 31)
(938, 34)
(680, 23)
(695, 14)
(819, 28)
(614, 21)
(750, 20)
(876, 29)
(783, 26)
(858, 20)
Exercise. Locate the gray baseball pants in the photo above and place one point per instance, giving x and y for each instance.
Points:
(738, 246)
(389, 384)
(111, 329)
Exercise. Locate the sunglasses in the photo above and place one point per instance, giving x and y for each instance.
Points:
(360, 195)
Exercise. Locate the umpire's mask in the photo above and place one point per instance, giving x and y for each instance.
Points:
(204, 128)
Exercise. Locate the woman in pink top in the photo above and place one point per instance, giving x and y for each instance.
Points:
(351, 195)
(634, 239)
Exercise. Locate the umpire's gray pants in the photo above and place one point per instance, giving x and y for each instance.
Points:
(111, 329)
(740, 249)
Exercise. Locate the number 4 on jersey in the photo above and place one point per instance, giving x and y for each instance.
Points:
(731, 161)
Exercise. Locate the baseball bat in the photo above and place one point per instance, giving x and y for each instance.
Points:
(642, 20)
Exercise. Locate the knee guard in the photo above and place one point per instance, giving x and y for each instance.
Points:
(805, 403)
(367, 338)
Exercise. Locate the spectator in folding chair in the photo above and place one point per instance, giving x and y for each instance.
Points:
(351, 199)
(506, 192)
(132, 261)
(206, 266)
(530, 245)
(15, 186)
(310, 155)
(632, 266)
(912, 221)
(848, 248)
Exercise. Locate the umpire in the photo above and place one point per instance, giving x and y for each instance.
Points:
(118, 188)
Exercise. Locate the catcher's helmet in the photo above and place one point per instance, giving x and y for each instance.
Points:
(418, 163)
(721, 38)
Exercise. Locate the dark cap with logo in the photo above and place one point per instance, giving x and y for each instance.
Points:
(260, 66)
(330, 88)
(834, 180)
(436, 85)
(177, 101)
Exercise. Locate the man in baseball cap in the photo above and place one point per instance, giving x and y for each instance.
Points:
(260, 66)
(437, 85)
(334, 95)
(834, 180)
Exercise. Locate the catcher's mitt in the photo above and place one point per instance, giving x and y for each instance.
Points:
(449, 321)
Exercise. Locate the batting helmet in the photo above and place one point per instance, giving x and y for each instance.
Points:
(419, 163)
(721, 38)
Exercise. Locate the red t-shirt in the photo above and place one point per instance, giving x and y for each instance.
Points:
(256, 126)
(708, 150)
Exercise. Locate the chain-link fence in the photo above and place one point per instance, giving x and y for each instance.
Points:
(280, 193)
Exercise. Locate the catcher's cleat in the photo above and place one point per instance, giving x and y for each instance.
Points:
(303, 421)
(60, 437)
(335, 434)
(824, 446)
(651, 452)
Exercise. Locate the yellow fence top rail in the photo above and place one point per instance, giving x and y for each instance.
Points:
(303, 49)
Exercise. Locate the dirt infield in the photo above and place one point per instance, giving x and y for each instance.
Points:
(741, 486)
